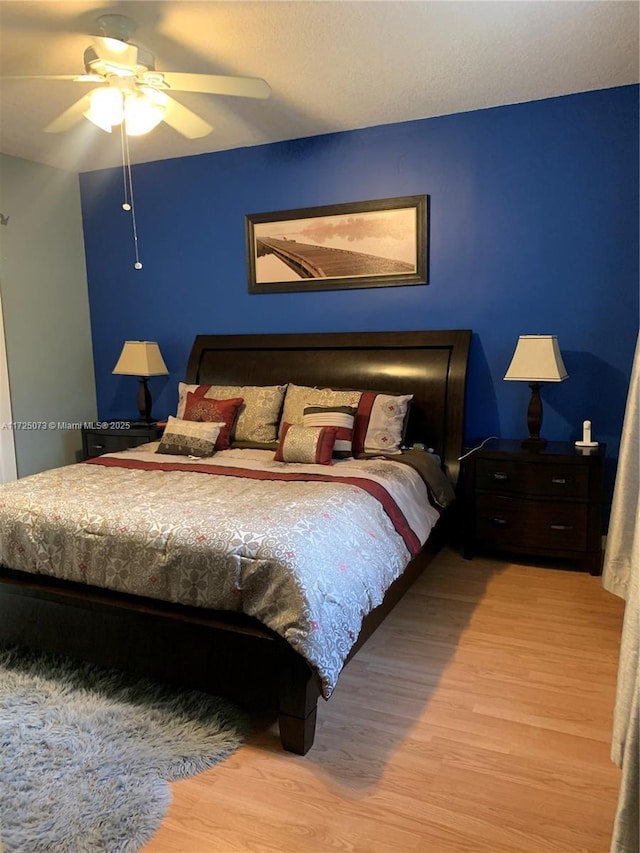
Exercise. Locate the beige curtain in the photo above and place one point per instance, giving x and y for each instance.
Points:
(621, 575)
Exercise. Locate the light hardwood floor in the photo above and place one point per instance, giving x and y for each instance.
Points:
(477, 718)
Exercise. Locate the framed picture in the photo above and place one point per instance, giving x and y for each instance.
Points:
(361, 244)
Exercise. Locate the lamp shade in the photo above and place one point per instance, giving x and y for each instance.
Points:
(141, 358)
(537, 358)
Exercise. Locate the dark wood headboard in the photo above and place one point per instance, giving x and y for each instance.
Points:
(430, 365)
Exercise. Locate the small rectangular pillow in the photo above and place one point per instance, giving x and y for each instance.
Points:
(311, 445)
(257, 420)
(207, 409)
(189, 438)
(341, 417)
(380, 423)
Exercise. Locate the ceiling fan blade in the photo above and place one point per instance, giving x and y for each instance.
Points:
(183, 120)
(69, 117)
(217, 84)
(115, 52)
(76, 78)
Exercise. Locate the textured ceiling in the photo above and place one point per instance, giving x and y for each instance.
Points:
(332, 65)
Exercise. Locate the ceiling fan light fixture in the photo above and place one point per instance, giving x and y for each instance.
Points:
(142, 112)
(105, 109)
(116, 45)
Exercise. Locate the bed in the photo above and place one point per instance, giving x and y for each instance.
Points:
(246, 655)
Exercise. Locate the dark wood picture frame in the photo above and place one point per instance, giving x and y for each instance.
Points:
(314, 248)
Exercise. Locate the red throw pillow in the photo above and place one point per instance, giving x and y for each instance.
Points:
(199, 408)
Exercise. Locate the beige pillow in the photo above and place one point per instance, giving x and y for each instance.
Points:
(258, 416)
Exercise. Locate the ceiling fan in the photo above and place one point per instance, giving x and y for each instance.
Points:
(133, 94)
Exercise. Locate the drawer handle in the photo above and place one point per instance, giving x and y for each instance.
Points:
(500, 522)
(559, 481)
(561, 526)
(97, 446)
(499, 475)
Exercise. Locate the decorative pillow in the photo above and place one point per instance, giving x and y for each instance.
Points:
(380, 422)
(341, 417)
(312, 445)
(299, 397)
(258, 416)
(189, 438)
(200, 408)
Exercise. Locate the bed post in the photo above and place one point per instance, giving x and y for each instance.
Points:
(298, 694)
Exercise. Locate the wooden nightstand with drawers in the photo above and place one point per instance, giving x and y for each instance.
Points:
(546, 503)
(112, 436)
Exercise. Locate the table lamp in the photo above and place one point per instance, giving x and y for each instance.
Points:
(536, 359)
(142, 359)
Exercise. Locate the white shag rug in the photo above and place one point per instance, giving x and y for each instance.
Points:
(87, 754)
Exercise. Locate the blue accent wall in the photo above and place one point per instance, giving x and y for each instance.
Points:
(534, 230)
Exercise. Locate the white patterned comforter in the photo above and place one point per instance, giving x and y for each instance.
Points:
(306, 557)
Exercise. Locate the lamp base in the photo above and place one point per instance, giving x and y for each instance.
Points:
(533, 444)
(534, 420)
(144, 400)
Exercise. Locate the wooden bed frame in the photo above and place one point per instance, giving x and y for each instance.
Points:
(227, 653)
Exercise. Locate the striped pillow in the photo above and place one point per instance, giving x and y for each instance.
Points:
(299, 397)
(340, 417)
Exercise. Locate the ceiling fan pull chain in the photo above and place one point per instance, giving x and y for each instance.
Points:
(125, 204)
(138, 263)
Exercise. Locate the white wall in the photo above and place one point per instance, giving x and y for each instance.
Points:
(8, 470)
(43, 288)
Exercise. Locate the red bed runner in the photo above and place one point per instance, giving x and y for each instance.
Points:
(375, 489)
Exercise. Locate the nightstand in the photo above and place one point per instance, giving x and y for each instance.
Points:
(111, 436)
(546, 503)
